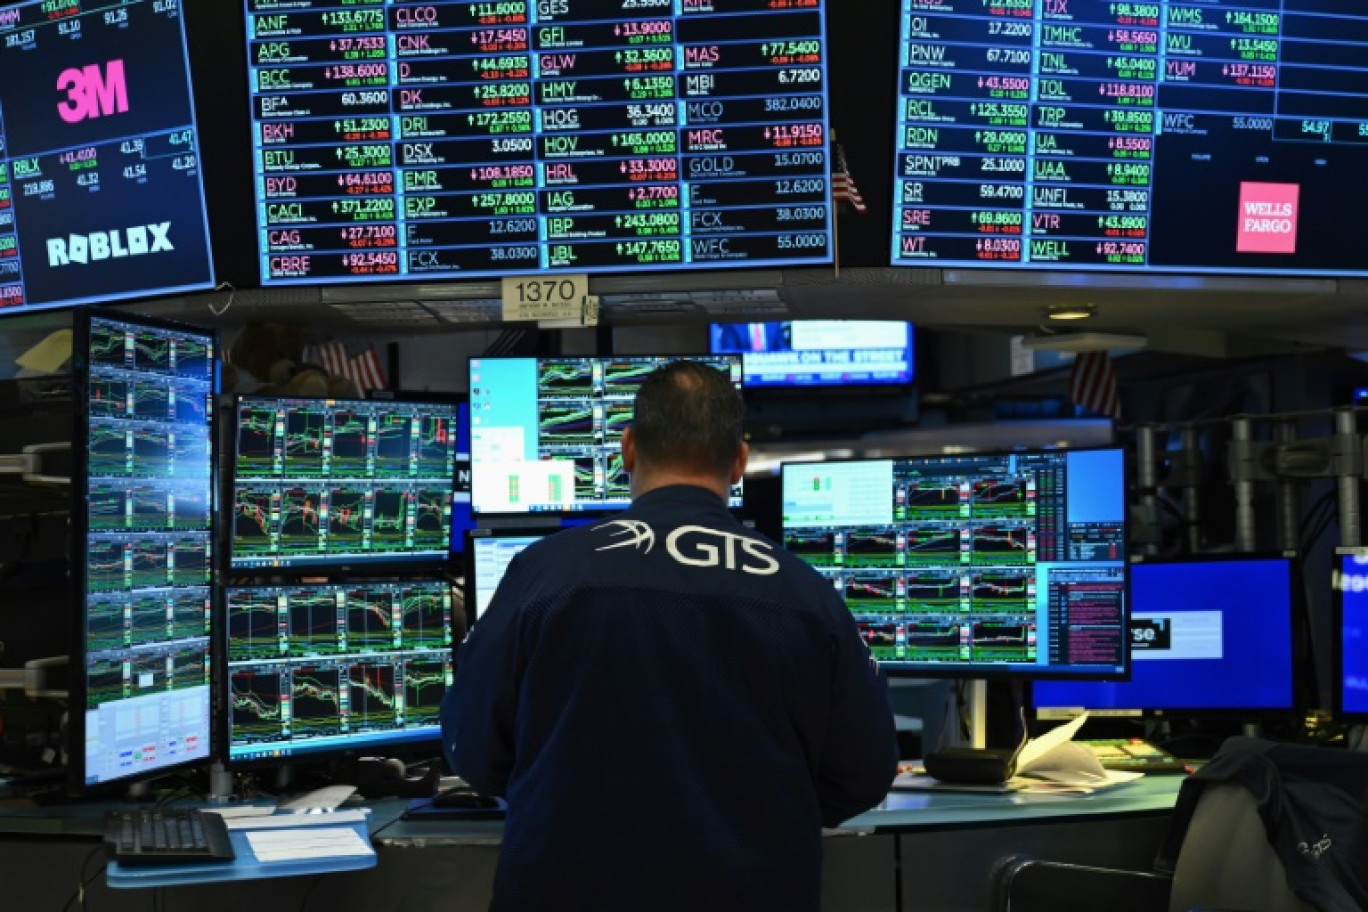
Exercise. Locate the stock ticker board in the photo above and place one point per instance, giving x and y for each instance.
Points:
(439, 140)
(100, 181)
(1209, 136)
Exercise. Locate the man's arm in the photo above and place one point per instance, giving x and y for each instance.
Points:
(479, 712)
(860, 757)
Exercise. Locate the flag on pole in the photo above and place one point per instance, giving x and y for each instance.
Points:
(361, 365)
(843, 187)
(1092, 384)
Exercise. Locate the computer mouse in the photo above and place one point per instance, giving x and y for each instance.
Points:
(464, 799)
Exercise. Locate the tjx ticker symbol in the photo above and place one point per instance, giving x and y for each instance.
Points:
(92, 92)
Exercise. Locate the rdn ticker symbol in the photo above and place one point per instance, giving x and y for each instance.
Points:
(93, 92)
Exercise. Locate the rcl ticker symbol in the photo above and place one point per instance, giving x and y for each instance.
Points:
(92, 92)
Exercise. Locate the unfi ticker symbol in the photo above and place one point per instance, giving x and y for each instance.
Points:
(93, 92)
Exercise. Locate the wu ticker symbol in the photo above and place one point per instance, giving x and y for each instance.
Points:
(93, 92)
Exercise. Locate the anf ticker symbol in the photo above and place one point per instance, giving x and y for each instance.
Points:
(93, 92)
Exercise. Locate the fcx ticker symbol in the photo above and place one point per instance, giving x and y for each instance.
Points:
(92, 91)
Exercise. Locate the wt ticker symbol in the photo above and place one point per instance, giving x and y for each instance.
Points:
(93, 92)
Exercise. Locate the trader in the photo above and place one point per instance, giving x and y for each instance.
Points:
(672, 705)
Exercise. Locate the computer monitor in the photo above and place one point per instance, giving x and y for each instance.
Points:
(1351, 648)
(1209, 636)
(142, 546)
(488, 553)
(342, 483)
(809, 354)
(318, 671)
(546, 433)
(984, 565)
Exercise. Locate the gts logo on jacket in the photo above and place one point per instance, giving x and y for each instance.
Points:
(696, 546)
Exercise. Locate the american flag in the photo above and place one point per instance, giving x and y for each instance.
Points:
(1092, 384)
(843, 187)
(361, 365)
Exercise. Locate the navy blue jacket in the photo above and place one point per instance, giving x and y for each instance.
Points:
(673, 706)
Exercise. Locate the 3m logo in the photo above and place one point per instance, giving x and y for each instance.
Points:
(93, 92)
(104, 245)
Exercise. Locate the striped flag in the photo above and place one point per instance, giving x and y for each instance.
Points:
(361, 365)
(843, 187)
(1092, 384)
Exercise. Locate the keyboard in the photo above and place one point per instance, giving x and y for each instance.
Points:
(1132, 755)
(166, 836)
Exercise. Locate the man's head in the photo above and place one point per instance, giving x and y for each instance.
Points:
(687, 429)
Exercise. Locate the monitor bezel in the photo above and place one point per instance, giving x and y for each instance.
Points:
(1017, 672)
(1337, 682)
(386, 563)
(1249, 713)
(83, 318)
(588, 511)
(416, 743)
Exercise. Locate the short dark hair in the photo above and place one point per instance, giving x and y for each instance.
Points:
(689, 416)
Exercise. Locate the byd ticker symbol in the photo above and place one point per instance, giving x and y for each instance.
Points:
(93, 91)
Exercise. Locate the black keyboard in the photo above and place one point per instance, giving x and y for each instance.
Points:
(1132, 755)
(148, 836)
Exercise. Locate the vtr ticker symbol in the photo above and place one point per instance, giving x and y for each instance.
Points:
(93, 92)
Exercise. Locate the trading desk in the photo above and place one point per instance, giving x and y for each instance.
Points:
(927, 852)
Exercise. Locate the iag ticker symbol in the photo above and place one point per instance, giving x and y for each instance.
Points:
(92, 91)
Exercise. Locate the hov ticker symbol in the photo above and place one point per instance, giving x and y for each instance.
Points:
(93, 92)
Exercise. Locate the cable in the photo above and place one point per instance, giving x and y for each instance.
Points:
(304, 900)
(82, 881)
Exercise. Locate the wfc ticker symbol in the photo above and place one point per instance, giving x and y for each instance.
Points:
(92, 91)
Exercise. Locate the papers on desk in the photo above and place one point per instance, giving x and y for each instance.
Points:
(306, 844)
(1051, 764)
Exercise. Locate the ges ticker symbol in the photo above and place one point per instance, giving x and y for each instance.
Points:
(92, 91)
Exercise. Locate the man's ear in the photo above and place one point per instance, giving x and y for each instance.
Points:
(628, 451)
(742, 457)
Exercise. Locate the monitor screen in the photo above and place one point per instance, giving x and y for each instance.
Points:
(353, 667)
(546, 433)
(812, 353)
(1207, 636)
(100, 182)
(994, 564)
(1130, 136)
(490, 551)
(1352, 642)
(462, 139)
(332, 482)
(143, 533)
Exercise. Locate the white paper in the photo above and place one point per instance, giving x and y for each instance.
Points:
(303, 845)
(291, 821)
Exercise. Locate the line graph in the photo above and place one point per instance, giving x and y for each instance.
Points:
(190, 561)
(1002, 641)
(253, 528)
(107, 346)
(299, 521)
(425, 615)
(817, 548)
(316, 699)
(932, 590)
(152, 352)
(105, 567)
(998, 498)
(189, 668)
(191, 404)
(190, 510)
(312, 615)
(104, 627)
(351, 443)
(193, 358)
(393, 444)
(107, 509)
(566, 425)
(937, 545)
(370, 618)
(934, 641)
(151, 400)
(303, 450)
(617, 483)
(254, 705)
(189, 615)
(436, 446)
(871, 548)
(108, 398)
(432, 519)
(253, 625)
(931, 499)
(871, 592)
(257, 444)
(425, 682)
(104, 681)
(617, 417)
(388, 519)
(151, 511)
(622, 379)
(585, 473)
(109, 450)
(149, 673)
(565, 378)
(148, 620)
(151, 451)
(151, 564)
(1000, 545)
(373, 700)
(346, 520)
(1002, 589)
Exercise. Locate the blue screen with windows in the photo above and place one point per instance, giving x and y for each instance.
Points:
(1352, 583)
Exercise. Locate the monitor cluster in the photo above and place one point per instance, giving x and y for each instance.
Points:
(1009, 563)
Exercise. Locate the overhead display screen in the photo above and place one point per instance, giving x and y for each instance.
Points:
(1199, 137)
(464, 139)
(100, 182)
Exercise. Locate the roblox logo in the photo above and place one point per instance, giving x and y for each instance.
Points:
(140, 240)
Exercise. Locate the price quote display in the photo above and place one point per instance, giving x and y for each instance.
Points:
(1222, 137)
(493, 138)
(100, 179)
